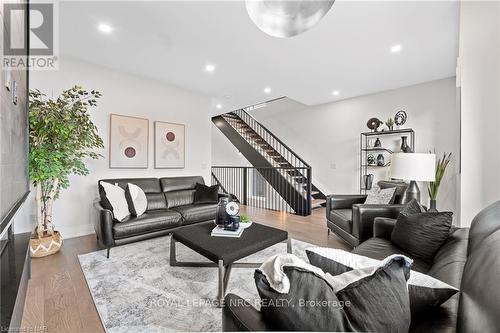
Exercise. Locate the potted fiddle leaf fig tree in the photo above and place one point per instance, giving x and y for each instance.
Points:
(61, 138)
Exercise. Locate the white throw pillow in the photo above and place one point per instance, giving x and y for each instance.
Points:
(136, 199)
(116, 197)
(382, 197)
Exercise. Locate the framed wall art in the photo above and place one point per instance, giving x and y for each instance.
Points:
(169, 145)
(128, 142)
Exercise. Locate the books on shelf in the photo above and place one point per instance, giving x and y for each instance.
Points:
(219, 231)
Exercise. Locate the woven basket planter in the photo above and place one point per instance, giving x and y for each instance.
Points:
(45, 246)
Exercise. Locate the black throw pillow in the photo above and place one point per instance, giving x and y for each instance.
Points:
(298, 309)
(373, 299)
(412, 207)
(379, 302)
(422, 234)
(204, 194)
(425, 291)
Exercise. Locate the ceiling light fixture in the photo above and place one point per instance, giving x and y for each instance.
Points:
(267, 90)
(105, 28)
(210, 68)
(396, 48)
(286, 18)
(336, 93)
(219, 106)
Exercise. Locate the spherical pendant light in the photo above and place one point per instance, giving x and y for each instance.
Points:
(287, 18)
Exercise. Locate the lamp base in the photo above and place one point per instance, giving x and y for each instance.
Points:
(412, 192)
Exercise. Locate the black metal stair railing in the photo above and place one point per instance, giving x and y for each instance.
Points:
(266, 151)
(269, 142)
(264, 187)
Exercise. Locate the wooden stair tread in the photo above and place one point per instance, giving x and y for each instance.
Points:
(315, 203)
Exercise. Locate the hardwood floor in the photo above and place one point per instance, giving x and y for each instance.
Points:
(58, 299)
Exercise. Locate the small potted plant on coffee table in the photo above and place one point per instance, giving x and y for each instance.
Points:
(245, 221)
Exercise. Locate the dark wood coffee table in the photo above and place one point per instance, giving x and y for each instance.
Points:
(223, 252)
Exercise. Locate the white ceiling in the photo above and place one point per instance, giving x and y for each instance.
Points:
(347, 51)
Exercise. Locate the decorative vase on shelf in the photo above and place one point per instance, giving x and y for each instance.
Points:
(368, 181)
(380, 160)
(432, 207)
(404, 145)
(377, 144)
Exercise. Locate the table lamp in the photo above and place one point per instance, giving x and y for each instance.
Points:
(413, 167)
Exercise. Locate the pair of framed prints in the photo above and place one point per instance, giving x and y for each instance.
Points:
(129, 143)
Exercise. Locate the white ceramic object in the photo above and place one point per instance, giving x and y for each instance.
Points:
(245, 225)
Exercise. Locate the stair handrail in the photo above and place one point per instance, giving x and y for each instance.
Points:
(271, 134)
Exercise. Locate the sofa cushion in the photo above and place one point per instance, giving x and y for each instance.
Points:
(156, 201)
(422, 234)
(342, 218)
(449, 261)
(179, 198)
(196, 213)
(380, 248)
(148, 185)
(147, 222)
(169, 184)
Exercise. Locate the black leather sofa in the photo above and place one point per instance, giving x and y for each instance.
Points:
(352, 220)
(170, 206)
(469, 260)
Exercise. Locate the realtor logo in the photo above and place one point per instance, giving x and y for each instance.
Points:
(29, 36)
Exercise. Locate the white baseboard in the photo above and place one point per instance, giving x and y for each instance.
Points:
(76, 231)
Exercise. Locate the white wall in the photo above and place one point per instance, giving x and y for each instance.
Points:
(327, 136)
(128, 95)
(480, 105)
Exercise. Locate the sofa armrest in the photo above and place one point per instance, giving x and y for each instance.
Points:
(383, 226)
(363, 216)
(343, 201)
(239, 315)
(103, 225)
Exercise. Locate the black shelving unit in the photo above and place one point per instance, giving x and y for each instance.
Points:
(365, 149)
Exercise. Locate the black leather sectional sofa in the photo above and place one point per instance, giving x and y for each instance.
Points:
(469, 260)
(170, 206)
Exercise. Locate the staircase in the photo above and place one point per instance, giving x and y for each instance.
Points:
(284, 171)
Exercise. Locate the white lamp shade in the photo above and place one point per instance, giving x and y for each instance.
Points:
(413, 166)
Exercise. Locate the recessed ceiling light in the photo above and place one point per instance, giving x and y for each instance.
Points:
(396, 48)
(336, 93)
(219, 106)
(267, 90)
(105, 28)
(210, 68)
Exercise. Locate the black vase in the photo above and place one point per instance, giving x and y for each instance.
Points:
(380, 160)
(378, 143)
(404, 145)
(432, 207)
